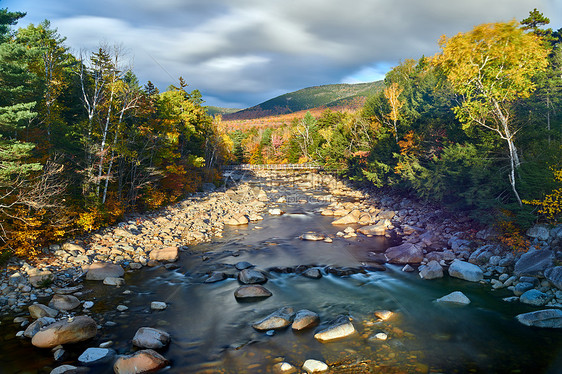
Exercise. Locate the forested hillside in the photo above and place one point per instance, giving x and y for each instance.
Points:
(327, 96)
(82, 141)
(476, 127)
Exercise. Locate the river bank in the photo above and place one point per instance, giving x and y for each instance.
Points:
(431, 243)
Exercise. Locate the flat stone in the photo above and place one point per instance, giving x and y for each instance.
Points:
(548, 318)
(39, 310)
(169, 254)
(148, 337)
(71, 330)
(279, 319)
(144, 361)
(68, 369)
(305, 319)
(64, 302)
(243, 265)
(101, 270)
(454, 298)
(251, 276)
(339, 328)
(314, 366)
(383, 314)
(216, 276)
(251, 292)
(94, 356)
(465, 270)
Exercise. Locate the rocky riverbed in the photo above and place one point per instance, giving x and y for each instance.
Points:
(430, 242)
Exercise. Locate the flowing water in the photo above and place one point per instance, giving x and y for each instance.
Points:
(211, 331)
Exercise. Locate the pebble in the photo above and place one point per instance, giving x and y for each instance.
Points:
(122, 308)
(88, 304)
(158, 305)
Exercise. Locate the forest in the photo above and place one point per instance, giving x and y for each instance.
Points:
(477, 127)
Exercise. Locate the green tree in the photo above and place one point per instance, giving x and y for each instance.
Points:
(492, 66)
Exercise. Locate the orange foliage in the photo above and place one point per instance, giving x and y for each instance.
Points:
(512, 236)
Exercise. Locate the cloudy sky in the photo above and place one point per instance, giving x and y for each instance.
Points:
(239, 53)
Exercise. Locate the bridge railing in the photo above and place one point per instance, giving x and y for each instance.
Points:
(304, 166)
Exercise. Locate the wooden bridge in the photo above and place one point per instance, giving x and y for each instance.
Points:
(251, 167)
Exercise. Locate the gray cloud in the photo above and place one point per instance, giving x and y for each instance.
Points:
(241, 52)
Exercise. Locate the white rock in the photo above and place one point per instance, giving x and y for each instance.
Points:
(381, 336)
(314, 366)
(158, 305)
(88, 304)
(122, 308)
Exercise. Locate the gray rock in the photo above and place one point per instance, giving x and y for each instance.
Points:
(64, 302)
(251, 276)
(113, 281)
(521, 288)
(408, 269)
(340, 327)
(305, 319)
(40, 278)
(535, 297)
(243, 265)
(554, 276)
(454, 298)
(539, 231)
(148, 337)
(406, 253)
(158, 305)
(467, 271)
(432, 270)
(313, 273)
(94, 356)
(279, 319)
(250, 292)
(216, 276)
(101, 270)
(534, 262)
(37, 325)
(68, 369)
(548, 318)
(533, 280)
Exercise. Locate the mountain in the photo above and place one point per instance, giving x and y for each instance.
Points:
(214, 110)
(327, 96)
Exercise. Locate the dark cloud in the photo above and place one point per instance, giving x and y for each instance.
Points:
(241, 52)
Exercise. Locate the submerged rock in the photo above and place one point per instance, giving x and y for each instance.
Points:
(312, 236)
(216, 276)
(336, 329)
(279, 319)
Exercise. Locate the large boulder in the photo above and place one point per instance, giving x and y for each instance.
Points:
(554, 276)
(465, 270)
(549, 318)
(251, 276)
(336, 329)
(64, 302)
(279, 319)
(144, 361)
(71, 330)
(40, 278)
(432, 270)
(148, 337)
(102, 270)
(169, 254)
(534, 262)
(539, 231)
(406, 253)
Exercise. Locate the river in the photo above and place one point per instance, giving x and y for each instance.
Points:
(211, 331)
